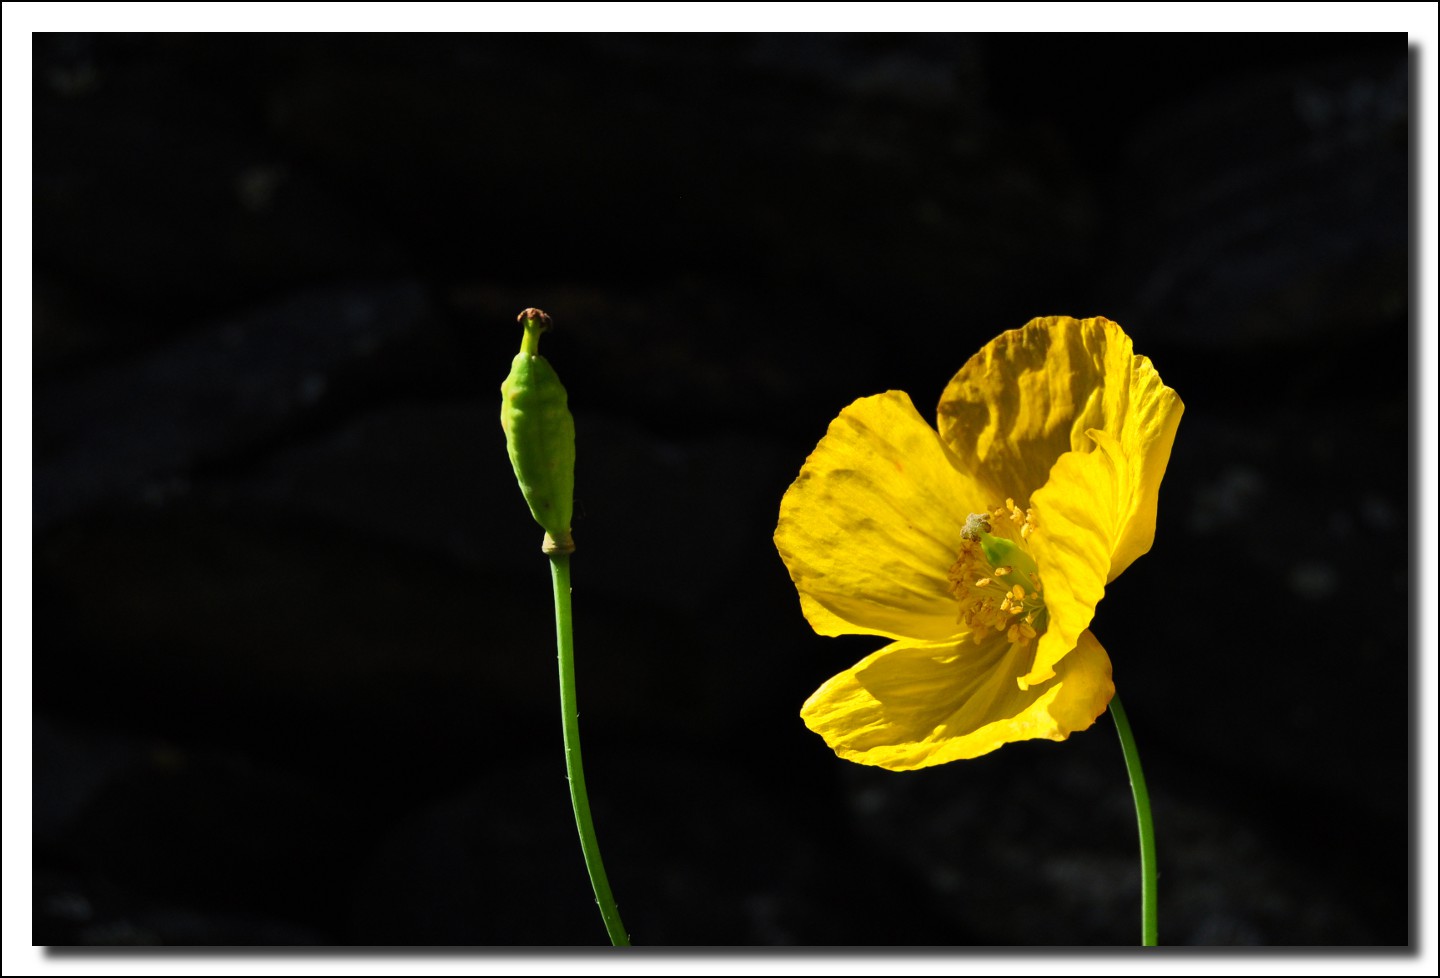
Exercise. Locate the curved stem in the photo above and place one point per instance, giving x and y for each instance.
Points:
(574, 770)
(1149, 911)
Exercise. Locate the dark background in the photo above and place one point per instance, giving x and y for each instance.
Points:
(293, 661)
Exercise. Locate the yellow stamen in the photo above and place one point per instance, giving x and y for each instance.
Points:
(989, 601)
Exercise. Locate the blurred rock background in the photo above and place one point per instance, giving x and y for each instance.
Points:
(294, 677)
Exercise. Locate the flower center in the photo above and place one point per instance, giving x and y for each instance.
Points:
(995, 579)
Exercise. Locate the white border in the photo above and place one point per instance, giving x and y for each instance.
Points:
(21, 18)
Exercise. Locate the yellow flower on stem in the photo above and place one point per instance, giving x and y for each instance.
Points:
(981, 549)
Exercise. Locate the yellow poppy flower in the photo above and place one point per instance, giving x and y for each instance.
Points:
(981, 549)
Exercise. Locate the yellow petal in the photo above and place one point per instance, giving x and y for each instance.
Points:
(826, 622)
(872, 524)
(1031, 394)
(1084, 515)
(912, 706)
(1147, 433)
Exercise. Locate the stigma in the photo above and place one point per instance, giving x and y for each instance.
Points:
(995, 580)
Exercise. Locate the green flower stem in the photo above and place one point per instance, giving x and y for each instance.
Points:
(1149, 910)
(574, 770)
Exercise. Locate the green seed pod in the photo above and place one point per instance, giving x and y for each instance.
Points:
(540, 434)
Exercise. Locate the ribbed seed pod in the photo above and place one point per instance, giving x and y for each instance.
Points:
(540, 435)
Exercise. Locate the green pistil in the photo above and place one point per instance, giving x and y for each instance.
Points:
(1004, 554)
